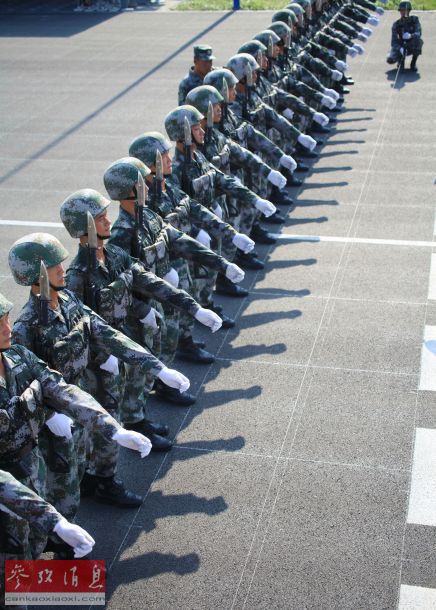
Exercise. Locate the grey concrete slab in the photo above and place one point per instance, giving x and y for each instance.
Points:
(419, 566)
(350, 417)
(393, 222)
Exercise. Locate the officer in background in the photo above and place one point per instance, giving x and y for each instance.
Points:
(202, 65)
(406, 37)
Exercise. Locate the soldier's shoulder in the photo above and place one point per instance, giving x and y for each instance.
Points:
(27, 315)
(19, 352)
(114, 250)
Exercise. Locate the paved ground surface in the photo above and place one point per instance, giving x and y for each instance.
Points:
(289, 485)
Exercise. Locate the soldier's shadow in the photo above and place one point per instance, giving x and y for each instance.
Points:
(404, 77)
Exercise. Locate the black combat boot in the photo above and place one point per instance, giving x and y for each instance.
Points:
(249, 261)
(167, 394)
(227, 287)
(188, 350)
(413, 67)
(112, 491)
(261, 235)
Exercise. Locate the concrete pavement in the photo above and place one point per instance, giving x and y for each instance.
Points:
(289, 484)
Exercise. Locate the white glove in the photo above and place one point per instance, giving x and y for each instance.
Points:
(407, 35)
(332, 93)
(204, 238)
(379, 10)
(288, 162)
(150, 318)
(234, 273)
(111, 365)
(331, 52)
(218, 211)
(288, 113)
(328, 101)
(209, 318)
(341, 65)
(336, 75)
(306, 141)
(172, 277)
(60, 425)
(174, 379)
(352, 52)
(373, 20)
(359, 49)
(361, 36)
(277, 178)
(133, 440)
(243, 242)
(266, 207)
(321, 118)
(367, 32)
(75, 536)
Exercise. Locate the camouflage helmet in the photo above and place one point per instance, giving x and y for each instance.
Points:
(265, 35)
(202, 95)
(121, 176)
(296, 9)
(405, 5)
(303, 3)
(281, 29)
(239, 63)
(175, 121)
(144, 147)
(216, 78)
(252, 47)
(5, 306)
(285, 15)
(74, 208)
(26, 254)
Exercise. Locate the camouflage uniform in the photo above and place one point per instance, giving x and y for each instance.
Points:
(192, 79)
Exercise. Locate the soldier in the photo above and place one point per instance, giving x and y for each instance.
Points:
(406, 37)
(120, 289)
(203, 59)
(74, 340)
(201, 179)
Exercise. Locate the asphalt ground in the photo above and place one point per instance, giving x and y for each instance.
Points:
(289, 485)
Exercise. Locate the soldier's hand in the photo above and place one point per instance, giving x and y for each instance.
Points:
(277, 179)
(307, 141)
(266, 207)
(204, 238)
(321, 118)
(172, 277)
(151, 318)
(209, 318)
(341, 65)
(359, 49)
(218, 211)
(174, 379)
(133, 440)
(367, 32)
(361, 36)
(352, 52)
(243, 242)
(373, 21)
(234, 273)
(288, 162)
(288, 113)
(337, 75)
(379, 10)
(111, 365)
(75, 536)
(328, 101)
(60, 425)
(332, 93)
(407, 35)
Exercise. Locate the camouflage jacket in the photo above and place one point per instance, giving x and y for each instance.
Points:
(228, 155)
(302, 73)
(206, 182)
(281, 99)
(279, 76)
(27, 504)
(159, 240)
(188, 83)
(248, 136)
(29, 393)
(124, 287)
(187, 214)
(346, 26)
(410, 24)
(264, 117)
(75, 338)
(335, 40)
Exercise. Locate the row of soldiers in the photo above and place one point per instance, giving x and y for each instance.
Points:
(92, 342)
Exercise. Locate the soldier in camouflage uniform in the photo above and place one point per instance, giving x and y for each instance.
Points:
(202, 180)
(184, 213)
(406, 37)
(79, 344)
(203, 59)
(244, 132)
(156, 243)
(123, 290)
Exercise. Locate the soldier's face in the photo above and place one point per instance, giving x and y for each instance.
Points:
(198, 133)
(56, 275)
(217, 112)
(103, 225)
(264, 63)
(167, 167)
(5, 332)
(403, 12)
(276, 51)
(232, 94)
(203, 66)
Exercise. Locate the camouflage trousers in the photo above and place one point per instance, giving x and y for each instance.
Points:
(186, 283)
(205, 278)
(65, 460)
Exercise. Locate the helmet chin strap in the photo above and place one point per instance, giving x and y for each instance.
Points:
(102, 237)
